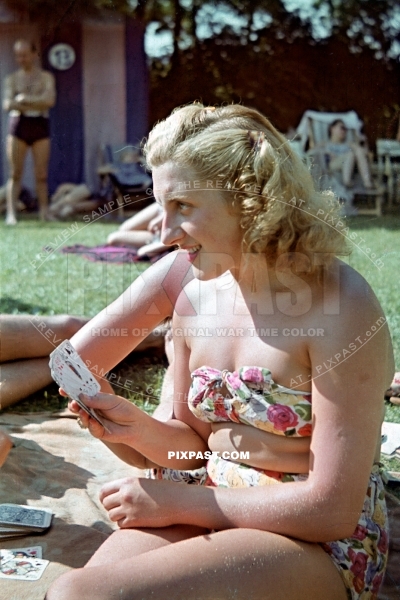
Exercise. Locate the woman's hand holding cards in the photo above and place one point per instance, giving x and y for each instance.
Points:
(76, 381)
(118, 415)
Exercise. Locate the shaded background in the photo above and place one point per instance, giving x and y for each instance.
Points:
(280, 56)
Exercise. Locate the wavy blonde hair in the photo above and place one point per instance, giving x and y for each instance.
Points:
(281, 211)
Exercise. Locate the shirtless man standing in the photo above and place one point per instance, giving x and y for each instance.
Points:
(28, 96)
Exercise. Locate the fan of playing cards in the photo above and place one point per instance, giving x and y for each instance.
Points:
(17, 520)
(73, 376)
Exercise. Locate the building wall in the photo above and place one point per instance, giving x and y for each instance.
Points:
(101, 99)
(104, 91)
(67, 116)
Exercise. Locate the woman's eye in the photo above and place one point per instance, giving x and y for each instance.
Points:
(182, 205)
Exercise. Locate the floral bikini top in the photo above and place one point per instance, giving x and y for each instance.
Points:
(250, 396)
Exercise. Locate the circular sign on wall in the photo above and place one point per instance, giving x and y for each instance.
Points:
(61, 56)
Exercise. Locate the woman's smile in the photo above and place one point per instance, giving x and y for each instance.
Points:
(198, 220)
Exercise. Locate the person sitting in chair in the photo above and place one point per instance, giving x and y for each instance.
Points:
(344, 156)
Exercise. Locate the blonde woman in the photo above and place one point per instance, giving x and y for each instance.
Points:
(271, 358)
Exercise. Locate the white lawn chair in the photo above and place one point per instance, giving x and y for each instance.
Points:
(386, 151)
(313, 133)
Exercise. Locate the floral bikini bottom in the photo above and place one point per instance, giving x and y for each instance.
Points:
(360, 559)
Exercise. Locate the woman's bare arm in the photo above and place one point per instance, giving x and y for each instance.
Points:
(347, 412)
(131, 317)
(162, 443)
(147, 302)
(265, 450)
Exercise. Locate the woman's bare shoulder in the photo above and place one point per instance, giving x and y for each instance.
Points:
(344, 281)
(353, 316)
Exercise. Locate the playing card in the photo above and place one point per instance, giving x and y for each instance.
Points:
(22, 567)
(73, 376)
(31, 552)
(7, 531)
(71, 373)
(15, 516)
(14, 532)
(11, 536)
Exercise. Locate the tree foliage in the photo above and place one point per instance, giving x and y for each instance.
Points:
(364, 23)
(231, 50)
(54, 11)
(373, 24)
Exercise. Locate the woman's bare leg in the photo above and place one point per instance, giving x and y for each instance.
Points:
(133, 232)
(21, 378)
(41, 155)
(348, 168)
(26, 336)
(136, 239)
(16, 152)
(32, 339)
(363, 166)
(61, 191)
(65, 210)
(133, 542)
(236, 564)
(73, 200)
(141, 220)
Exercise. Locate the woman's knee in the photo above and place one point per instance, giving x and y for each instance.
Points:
(74, 324)
(88, 583)
(78, 584)
(66, 325)
(71, 586)
(359, 150)
(113, 238)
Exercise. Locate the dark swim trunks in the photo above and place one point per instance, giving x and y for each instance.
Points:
(29, 129)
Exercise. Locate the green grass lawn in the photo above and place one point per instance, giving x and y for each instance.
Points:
(36, 278)
(48, 282)
(37, 281)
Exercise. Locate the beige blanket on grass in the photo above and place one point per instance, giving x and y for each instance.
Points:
(56, 465)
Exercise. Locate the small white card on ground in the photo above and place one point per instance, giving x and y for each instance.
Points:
(391, 437)
(25, 564)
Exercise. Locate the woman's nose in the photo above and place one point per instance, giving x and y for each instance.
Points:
(171, 231)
